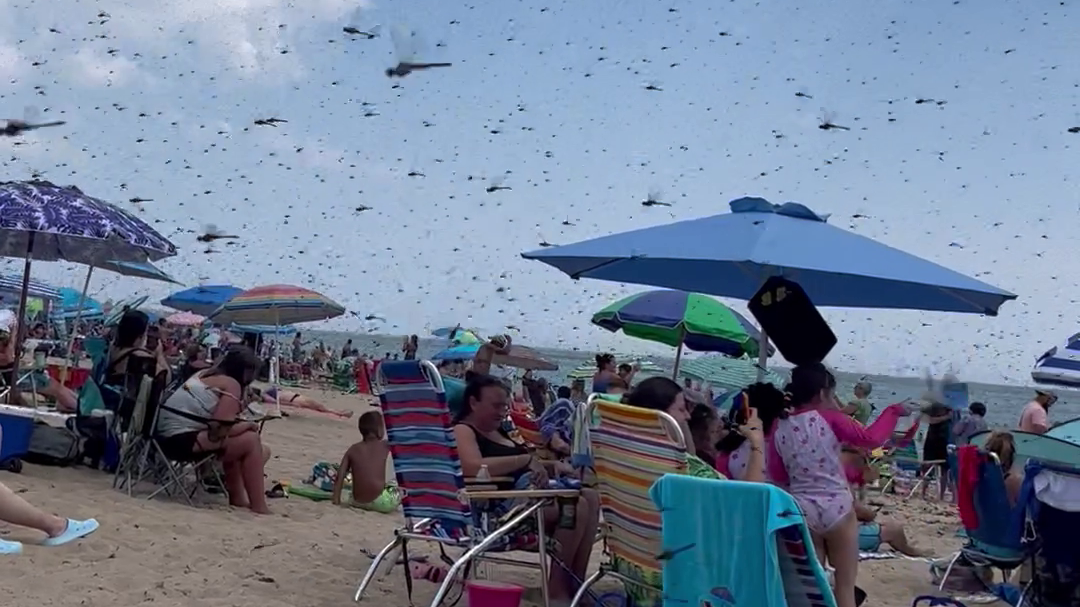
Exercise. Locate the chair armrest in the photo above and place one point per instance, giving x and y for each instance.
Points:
(472, 480)
(523, 493)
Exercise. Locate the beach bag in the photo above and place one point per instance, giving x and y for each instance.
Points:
(50, 446)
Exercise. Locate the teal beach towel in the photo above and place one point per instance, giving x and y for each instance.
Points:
(734, 543)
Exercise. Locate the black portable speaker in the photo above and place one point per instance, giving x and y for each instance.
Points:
(791, 321)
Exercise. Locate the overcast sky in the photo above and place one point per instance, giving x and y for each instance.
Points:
(552, 100)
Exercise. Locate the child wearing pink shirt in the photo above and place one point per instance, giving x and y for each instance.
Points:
(805, 449)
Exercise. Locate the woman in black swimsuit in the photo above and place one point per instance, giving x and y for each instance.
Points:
(129, 361)
(482, 441)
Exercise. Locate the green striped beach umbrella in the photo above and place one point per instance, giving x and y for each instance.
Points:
(679, 319)
(729, 373)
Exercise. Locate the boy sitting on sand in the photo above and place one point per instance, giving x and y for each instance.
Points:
(365, 463)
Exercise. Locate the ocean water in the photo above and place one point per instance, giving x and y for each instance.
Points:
(1003, 403)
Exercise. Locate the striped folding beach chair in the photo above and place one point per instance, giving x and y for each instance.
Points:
(436, 500)
(631, 449)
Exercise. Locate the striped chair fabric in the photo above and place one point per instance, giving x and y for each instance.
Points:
(631, 449)
(805, 584)
(420, 433)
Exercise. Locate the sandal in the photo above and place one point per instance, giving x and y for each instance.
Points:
(277, 491)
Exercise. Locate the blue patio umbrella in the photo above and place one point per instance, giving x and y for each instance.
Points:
(732, 255)
(202, 300)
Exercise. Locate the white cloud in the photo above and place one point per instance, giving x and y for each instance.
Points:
(93, 67)
(12, 63)
(249, 35)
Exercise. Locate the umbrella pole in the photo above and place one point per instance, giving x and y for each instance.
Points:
(13, 391)
(678, 353)
(277, 362)
(763, 355)
(75, 326)
(678, 359)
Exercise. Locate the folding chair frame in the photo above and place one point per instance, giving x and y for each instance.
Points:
(977, 558)
(921, 478)
(142, 455)
(606, 568)
(475, 547)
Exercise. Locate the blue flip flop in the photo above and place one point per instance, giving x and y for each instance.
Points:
(75, 530)
(9, 547)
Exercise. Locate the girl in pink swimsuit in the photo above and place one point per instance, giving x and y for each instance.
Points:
(805, 448)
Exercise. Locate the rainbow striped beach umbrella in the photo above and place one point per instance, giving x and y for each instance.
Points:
(277, 305)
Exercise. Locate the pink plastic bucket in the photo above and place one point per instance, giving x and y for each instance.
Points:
(488, 593)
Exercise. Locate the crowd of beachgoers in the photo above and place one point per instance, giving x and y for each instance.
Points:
(827, 451)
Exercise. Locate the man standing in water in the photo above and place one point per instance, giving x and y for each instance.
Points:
(1033, 417)
(860, 408)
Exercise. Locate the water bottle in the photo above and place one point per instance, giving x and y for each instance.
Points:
(483, 474)
(567, 512)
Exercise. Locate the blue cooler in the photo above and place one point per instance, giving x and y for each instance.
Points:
(17, 424)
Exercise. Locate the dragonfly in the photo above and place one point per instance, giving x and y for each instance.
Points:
(407, 46)
(827, 123)
(14, 127)
(653, 200)
(496, 184)
(353, 29)
(212, 233)
(802, 93)
(653, 85)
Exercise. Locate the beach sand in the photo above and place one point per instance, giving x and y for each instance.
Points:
(307, 554)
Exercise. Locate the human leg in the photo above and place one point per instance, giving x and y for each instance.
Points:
(244, 460)
(66, 400)
(17, 511)
(292, 399)
(575, 545)
(842, 547)
(893, 535)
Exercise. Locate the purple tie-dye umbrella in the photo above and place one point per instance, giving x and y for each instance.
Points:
(45, 222)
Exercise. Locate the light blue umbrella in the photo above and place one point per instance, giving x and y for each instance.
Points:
(519, 357)
(72, 301)
(732, 255)
(201, 300)
(139, 269)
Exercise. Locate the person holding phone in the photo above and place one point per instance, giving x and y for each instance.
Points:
(130, 359)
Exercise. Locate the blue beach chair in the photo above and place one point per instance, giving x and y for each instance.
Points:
(998, 540)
